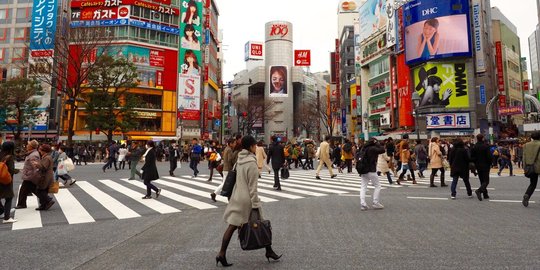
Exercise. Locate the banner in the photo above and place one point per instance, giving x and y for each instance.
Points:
(511, 110)
(302, 58)
(443, 85)
(372, 17)
(43, 30)
(500, 74)
(404, 93)
(189, 95)
(391, 31)
(449, 121)
(478, 29)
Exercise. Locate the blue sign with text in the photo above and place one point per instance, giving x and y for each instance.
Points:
(43, 30)
(483, 94)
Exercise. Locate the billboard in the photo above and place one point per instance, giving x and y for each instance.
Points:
(436, 29)
(443, 85)
(372, 17)
(190, 59)
(449, 121)
(254, 50)
(302, 58)
(478, 43)
(278, 78)
(278, 30)
(43, 29)
(156, 7)
(404, 92)
(391, 24)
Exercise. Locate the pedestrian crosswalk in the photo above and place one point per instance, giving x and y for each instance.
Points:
(94, 200)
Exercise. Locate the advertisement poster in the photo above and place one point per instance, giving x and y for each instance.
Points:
(436, 29)
(391, 24)
(373, 17)
(478, 33)
(404, 90)
(190, 59)
(278, 81)
(449, 121)
(43, 29)
(443, 85)
(302, 58)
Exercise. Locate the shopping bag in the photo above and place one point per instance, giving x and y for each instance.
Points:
(255, 234)
(54, 187)
(69, 164)
(285, 173)
(61, 170)
(230, 181)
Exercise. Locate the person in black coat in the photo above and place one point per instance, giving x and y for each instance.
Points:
(481, 156)
(369, 154)
(459, 167)
(173, 157)
(277, 155)
(150, 171)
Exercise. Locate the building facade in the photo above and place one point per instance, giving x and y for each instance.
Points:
(15, 22)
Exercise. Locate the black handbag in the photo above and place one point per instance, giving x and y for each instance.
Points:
(528, 169)
(230, 181)
(285, 173)
(255, 234)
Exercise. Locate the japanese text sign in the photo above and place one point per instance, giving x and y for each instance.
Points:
(42, 33)
(449, 121)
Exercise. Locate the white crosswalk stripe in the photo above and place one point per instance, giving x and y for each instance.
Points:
(99, 199)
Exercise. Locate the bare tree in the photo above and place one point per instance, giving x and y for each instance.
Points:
(325, 114)
(308, 117)
(67, 70)
(253, 111)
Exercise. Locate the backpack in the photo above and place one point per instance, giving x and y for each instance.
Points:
(5, 176)
(362, 166)
(347, 148)
(422, 155)
(213, 156)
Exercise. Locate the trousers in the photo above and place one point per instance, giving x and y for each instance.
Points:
(374, 178)
(328, 164)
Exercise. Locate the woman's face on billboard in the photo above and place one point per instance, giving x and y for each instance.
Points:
(429, 30)
(277, 81)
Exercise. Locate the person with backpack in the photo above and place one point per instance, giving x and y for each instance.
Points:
(347, 153)
(214, 158)
(421, 157)
(367, 168)
(7, 170)
(505, 160)
(336, 154)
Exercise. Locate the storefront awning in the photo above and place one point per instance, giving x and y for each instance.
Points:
(380, 96)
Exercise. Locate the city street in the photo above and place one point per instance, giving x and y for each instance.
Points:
(316, 224)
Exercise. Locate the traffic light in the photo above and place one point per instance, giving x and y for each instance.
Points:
(244, 114)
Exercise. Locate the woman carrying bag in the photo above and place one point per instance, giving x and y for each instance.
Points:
(62, 171)
(244, 198)
(7, 156)
(149, 170)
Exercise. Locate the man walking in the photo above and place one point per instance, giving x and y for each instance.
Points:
(173, 157)
(324, 157)
(505, 160)
(530, 157)
(276, 153)
(134, 156)
(369, 156)
(196, 152)
(347, 153)
(113, 151)
(481, 156)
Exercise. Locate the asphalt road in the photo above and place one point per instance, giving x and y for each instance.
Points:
(420, 228)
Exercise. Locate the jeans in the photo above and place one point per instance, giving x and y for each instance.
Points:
(421, 168)
(374, 178)
(193, 165)
(133, 170)
(276, 178)
(465, 180)
(484, 181)
(506, 162)
(150, 187)
(406, 168)
(389, 177)
(532, 185)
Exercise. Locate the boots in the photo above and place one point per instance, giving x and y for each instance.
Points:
(442, 181)
(432, 181)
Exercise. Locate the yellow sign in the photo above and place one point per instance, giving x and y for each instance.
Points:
(442, 85)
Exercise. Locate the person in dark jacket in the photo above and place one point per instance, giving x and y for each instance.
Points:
(459, 167)
(369, 156)
(134, 155)
(113, 151)
(173, 157)
(150, 171)
(7, 155)
(277, 155)
(481, 156)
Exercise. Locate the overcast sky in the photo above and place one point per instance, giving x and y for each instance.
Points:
(315, 26)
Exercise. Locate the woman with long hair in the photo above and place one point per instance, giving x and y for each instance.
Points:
(191, 16)
(190, 40)
(435, 161)
(244, 198)
(149, 169)
(428, 41)
(191, 64)
(7, 155)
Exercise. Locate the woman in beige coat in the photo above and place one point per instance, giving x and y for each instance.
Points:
(261, 157)
(435, 161)
(244, 198)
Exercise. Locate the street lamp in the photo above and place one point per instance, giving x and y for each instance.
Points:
(416, 101)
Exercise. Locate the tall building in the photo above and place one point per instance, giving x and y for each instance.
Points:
(534, 59)
(15, 22)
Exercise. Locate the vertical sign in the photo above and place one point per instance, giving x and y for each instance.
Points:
(302, 58)
(391, 24)
(478, 31)
(190, 59)
(344, 121)
(404, 93)
(42, 33)
(500, 74)
(483, 100)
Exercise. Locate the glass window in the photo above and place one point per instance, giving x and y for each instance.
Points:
(5, 55)
(19, 33)
(22, 15)
(4, 2)
(4, 35)
(135, 11)
(19, 53)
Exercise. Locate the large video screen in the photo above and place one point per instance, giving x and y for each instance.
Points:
(436, 29)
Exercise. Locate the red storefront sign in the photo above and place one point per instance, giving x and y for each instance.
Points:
(157, 58)
(302, 58)
(256, 49)
(406, 118)
(190, 115)
(500, 68)
(114, 3)
(159, 79)
(502, 101)
(279, 30)
(104, 13)
(41, 53)
(511, 110)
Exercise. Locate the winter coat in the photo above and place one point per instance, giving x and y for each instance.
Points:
(227, 158)
(459, 161)
(372, 152)
(481, 156)
(420, 150)
(245, 195)
(29, 171)
(382, 163)
(405, 156)
(529, 154)
(276, 154)
(6, 191)
(435, 156)
(45, 168)
(149, 168)
(324, 152)
(310, 151)
(261, 156)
